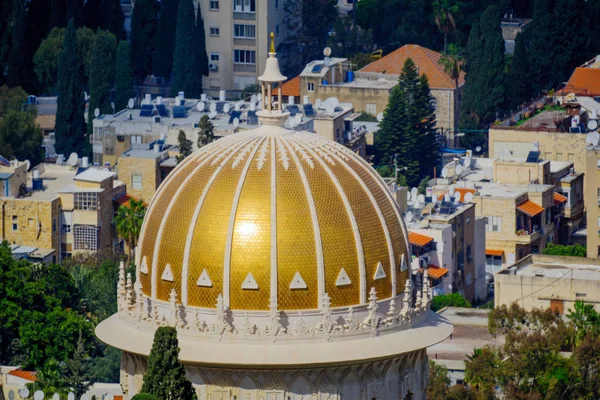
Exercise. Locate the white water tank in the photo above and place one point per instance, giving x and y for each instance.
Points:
(148, 98)
(85, 162)
(221, 95)
(291, 100)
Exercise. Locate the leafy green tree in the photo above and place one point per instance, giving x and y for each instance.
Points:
(102, 74)
(585, 320)
(77, 370)
(166, 378)
(576, 250)
(449, 300)
(307, 32)
(49, 379)
(113, 18)
(45, 60)
(185, 146)
(438, 381)
(452, 62)
(123, 76)
(128, 223)
(445, 12)
(348, 40)
(85, 42)
(484, 90)
(206, 133)
(423, 185)
(20, 137)
(408, 127)
(58, 13)
(185, 57)
(144, 396)
(480, 371)
(200, 54)
(143, 30)
(162, 59)
(70, 124)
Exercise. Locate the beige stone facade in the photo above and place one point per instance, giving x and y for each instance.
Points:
(592, 201)
(141, 175)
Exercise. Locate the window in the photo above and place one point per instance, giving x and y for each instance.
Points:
(85, 237)
(244, 5)
(136, 182)
(136, 139)
(371, 108)
(244, 31)
(310, 87)
(214, 57)
(67, 221)
(214, 31)
(87, 201)
(213, 5)
(30, 222)
(15, 223)
(598, 161)
(468, 220)
(494, 224)
(244, 57)
(494, 262)
(535, 249)
(548, 215)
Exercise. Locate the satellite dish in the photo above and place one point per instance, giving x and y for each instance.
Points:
(85, 397)
(73, 159)
(380, 117)
(332, 102)
(38, 395)
(27, 164)
(97, 112)
(24, 392)
(213, 107)
(592, 138)
(330, 110)
(469, 197)
(459, 169)
(407, 196)
(212, 114)
(410, 216)
(71, 396)
(253, 99)
(55, 396)
(467, 162)
(259, 97)
(130, 103)
(298, 118)
(327, 51)
(414, 193)
(456, 197)
(451, 190)
(11, 395)
(226, 108)
(421, 198)
(318, 103)
(444, 172)
(478, 149)
(200, 106)
(592, 124)
(236, 122)
(291, 122)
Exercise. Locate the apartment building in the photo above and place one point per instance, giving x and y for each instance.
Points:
(237, 39)
(57, 210)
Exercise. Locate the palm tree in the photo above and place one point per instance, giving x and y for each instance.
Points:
(452, 62)
(128, 223)
(49, 380)
(445, 12)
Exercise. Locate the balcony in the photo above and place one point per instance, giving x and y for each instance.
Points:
(244, 16)
(528, 235)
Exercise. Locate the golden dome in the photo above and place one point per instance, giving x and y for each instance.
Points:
(272, 214)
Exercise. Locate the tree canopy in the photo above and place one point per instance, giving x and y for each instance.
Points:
(186, 68)
(102, 74)
(162, 59)
(185, 146)
(575, 250)
(123, 76)
(128, 223)
(143, 29)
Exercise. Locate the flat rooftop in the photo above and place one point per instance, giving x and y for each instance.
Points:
(364, 83)
(555, 267)
(55, 177)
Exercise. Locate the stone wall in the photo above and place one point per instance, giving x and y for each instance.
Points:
(147, 168)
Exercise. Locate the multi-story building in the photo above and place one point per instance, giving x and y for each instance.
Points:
(369, 88)
(448, 240)
(57, 210)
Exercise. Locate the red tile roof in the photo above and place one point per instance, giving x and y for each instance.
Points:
(425, 59)
(490, 252)
(559, 198)
(530, 208)
(291, 87)
(27, 375)
(416, 239)
(583, 82)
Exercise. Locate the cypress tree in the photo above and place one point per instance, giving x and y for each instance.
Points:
(518, 79)
(407, 131)
(75, 12)
(58, 13)
(472, 67)
(143, 29)
(93, 14)
(162, 61)
(123, 76)
(6, 7)
(113, 18)
(206, 131)
(184, 57)
(201, 56)
(70, 124)
(166, 378)
(17, 59)
(542, 52)
(102, 74)
(185, 146)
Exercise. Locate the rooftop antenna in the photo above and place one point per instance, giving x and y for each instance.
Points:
(469, 197)
(131, 103)
(73, 159)
(380, 117)
(258, 97)
(212, 114)
(96, 112)
(200, 106)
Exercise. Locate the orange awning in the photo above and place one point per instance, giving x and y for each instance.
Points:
(417, 239)
(435, 272)
(559, 198)
(530, 208)
(490, 252)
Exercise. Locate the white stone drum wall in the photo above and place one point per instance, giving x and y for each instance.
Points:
(403, 377)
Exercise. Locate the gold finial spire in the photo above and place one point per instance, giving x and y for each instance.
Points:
(272, 48)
